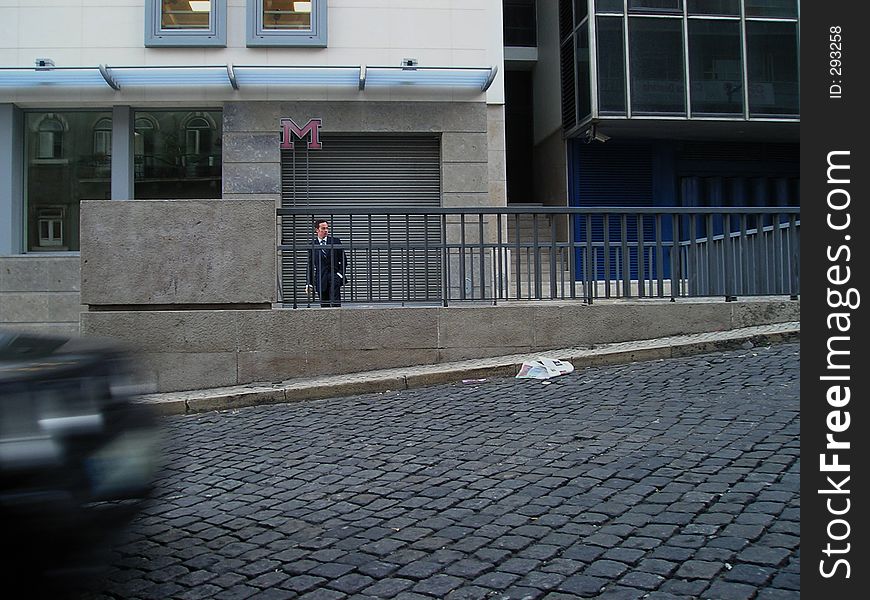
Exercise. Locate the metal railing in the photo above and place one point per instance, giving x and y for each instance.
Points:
(443, 256)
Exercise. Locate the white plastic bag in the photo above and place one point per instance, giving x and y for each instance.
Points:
(544, 368)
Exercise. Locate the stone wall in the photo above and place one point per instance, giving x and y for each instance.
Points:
(40, 293)
(159, 253)
(184, 350)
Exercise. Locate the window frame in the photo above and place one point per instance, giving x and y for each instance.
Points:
(215, 35)
(674, 64)
(258, 36)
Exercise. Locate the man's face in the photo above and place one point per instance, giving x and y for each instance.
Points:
(322, 230)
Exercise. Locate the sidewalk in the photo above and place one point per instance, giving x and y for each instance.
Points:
(293, 390)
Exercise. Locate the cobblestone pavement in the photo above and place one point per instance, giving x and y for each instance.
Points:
(676, 478)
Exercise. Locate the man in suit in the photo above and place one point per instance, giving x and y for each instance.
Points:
(326, 263)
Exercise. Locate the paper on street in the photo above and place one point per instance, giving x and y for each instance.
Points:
(544, 368)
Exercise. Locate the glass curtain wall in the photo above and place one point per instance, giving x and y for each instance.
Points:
(727, 59)
(576, 62)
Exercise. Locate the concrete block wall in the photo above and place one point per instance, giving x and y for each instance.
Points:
(158, 253)
(40, 293)
(183, 350)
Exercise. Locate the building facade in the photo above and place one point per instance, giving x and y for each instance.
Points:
(662, 103)
(390, 102)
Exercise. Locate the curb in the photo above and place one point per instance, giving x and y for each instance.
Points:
(335, 386)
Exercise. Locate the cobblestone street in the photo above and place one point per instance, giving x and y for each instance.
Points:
(667, 479)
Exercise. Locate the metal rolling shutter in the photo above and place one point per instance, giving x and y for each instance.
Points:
(613, 176)
(368, 172)
(618, 175)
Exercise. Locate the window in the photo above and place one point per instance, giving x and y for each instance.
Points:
(103, 138)
(611, 6)
(177, 154)
(581, 56)
(197, 133)
(611, 66)
(185, 23)
(102, 159)
(61, 171)
(771, 8)
(286, 23)
(50, 138)
(143, 145)
(50, 227)
(715, 69)
(656, 66)
(580, 11)
(714, 7)
(520, 23)
(655, 6)
(771, 57)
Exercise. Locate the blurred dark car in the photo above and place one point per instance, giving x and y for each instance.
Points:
(77, 453)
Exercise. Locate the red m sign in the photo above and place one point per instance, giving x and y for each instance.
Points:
(289, 128)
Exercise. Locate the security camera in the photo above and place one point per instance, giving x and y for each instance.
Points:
(593, 134)
(44, 63)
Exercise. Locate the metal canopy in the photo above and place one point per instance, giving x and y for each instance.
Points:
(238, 76)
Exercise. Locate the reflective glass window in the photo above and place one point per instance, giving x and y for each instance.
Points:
(185, 23)
(286, 23)
(286, 14)
(50, 138)
(580, 11)
(611, 66)
(185, 14)
(609, 6)
(714, 67)
(177, 154)
(656, 66)
(103, 148)
(584, 102)
(713, 7)
(103, 137)
(772, 54)
(771, 8)
(67, 161)
(655, 6)
(520, 23)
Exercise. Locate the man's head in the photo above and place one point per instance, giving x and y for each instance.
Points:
(321, 228)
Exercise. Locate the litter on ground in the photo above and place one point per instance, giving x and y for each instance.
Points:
(544, 368)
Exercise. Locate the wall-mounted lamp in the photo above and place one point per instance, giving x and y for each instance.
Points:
(44, 63)
(408, 63)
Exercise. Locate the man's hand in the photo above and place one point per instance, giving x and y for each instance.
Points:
(309, 289)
